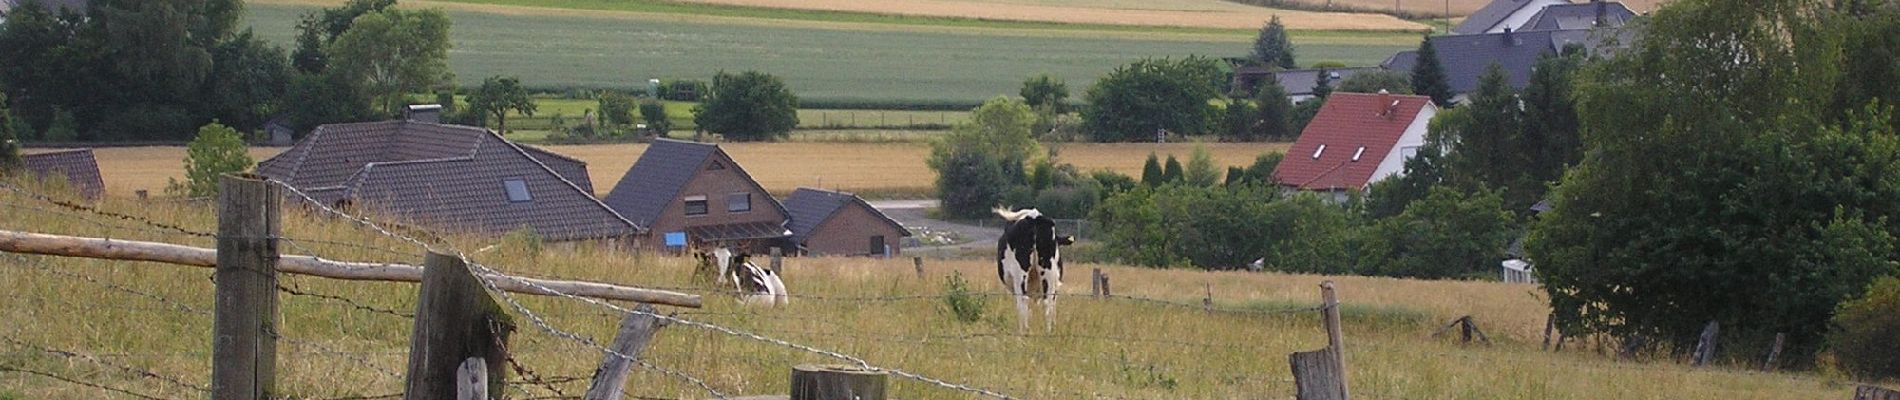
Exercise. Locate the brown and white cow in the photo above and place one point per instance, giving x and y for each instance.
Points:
(1030, 240)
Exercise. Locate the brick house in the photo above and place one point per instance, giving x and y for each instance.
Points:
(450, 177)
(694, 194)
(832, 223)
(77, 167)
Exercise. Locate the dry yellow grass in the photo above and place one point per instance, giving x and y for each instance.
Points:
(153, 317)
(871, 168)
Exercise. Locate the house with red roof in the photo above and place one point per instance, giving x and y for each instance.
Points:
(1355, 140)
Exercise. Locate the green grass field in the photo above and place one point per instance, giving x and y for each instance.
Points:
(681, 113)
(821, 63)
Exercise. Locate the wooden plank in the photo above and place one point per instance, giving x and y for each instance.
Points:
(1774, 352)
(1705, 347)
(636, 330)
(132, 250)
(837, 382)
(244, 339)
(1316, 374)
(1334, 338)
(456, 320)
(472, 379)
(919, 263)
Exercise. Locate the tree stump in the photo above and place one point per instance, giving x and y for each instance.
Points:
(836, 382)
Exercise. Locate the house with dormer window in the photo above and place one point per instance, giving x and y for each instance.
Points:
(1356, 139)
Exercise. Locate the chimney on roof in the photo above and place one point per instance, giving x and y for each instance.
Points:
(429, 113)
(1601, 9)
(1507, 37)
(1385, 97)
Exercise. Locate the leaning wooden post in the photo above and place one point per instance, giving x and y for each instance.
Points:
(636, 330)
(1207, 303)
(456, 320)
(1334, 337)
(918, 262)
(1550, 323)
(1105, 291)
(1774, 352)
(1705, 348)
(244, 330)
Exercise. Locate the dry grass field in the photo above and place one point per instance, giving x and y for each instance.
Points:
(156, 317)
(874, 169)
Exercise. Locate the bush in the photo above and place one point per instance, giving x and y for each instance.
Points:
(962, 301)
(615, 108)
(969, 183)
(1448, 234)
(1136, 100)
(1865, 330)
(654, 113)
(748, 106)
(218, 150)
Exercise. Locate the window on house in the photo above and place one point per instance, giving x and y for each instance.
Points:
(877, 246)
(1356, 154)
(739, 202)
(1316, 152)
(695, 205)
(517, 190)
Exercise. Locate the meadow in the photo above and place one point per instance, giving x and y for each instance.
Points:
(873, 169)
(680, 113)
(154, 317)
(1215, 14)
(821, 61)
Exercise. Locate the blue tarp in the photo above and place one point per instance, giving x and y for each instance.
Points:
(676, 239)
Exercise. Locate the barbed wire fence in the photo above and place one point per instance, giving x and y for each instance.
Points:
(534, 384)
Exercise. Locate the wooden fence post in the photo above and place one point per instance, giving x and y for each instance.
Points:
(472, 379)
(1870, 392)
(636, 330)
(456, 320)
(1774, 352)
(1705, 348)
(1105, 291)
(1316, 375)
(1095, 283)
(1207, 303)
(1550, 323)
(778, 260)
(918, 261)
(1334, 337)
(836, 382)
(244, 330)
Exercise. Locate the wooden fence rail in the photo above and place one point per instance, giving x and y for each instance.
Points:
(132, 250)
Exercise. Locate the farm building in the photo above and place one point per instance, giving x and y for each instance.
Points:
(694, 194)
(833, 223)
(1299, 83)
(77, 168)
(1579, 16)
(1503, 15)
(1355, 140)
(449, 176)
(1467, 57)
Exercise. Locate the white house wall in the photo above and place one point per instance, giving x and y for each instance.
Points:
(1414, 138)
(1523, 15)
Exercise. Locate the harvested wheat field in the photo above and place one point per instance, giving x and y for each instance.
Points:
(873, 169)
(1177, 13)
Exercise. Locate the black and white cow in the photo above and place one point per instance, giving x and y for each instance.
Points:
(1030, 240)
(756, 286)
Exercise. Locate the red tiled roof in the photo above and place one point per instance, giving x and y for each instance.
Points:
(1346, 123)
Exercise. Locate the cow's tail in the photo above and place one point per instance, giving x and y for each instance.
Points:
(1016, 215)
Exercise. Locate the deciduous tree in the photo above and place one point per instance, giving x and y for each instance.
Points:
(216, 151)
(748, 106)
(498, 96)
(1138, 99)
(392, 53)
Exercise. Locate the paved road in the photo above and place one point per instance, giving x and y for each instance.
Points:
(914, 213)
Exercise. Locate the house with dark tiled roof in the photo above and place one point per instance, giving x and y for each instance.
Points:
(1502, 15)
(1299, 83)
(831, 223)
(449, 177)
(694, 194)
(1595, 14)
(1467, 57)
(1355, 140)
(76, 167)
